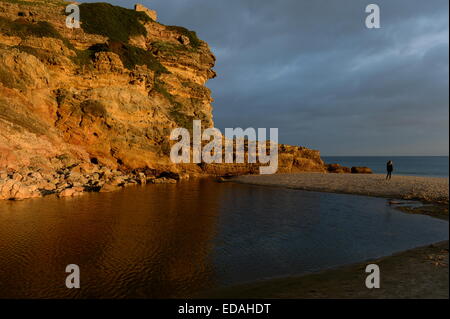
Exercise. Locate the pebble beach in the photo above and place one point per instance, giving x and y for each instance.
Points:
(429, 189)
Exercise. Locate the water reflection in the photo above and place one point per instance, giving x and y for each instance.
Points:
(147, 242)
(176, 240)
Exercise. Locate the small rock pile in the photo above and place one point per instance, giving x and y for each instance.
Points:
(74, 180)
(339, 169)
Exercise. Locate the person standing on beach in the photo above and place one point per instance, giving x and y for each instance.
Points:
(389, 168)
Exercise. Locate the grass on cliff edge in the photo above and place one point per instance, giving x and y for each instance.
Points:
(22, 28)
(37, 2)
(119, 24)
(192, 35)
(176, 113)
(114, 22)
(128, 54)
(168, 48)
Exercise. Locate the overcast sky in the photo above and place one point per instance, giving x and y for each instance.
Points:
(313, 70)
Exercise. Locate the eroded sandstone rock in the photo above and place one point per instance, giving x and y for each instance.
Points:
(107, 188)
(90, 109)
(151, 13)
(71, 192)
(361, 170)
(338, 169)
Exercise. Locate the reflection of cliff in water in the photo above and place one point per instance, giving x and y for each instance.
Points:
(154, 242)
(181, 240)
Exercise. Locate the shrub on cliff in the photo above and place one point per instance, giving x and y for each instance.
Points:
(194, 40)
(37, 2)
(176, 113)
(129, 55)
(114, 22)
(167, 48)
(83, 57)
(42, 55)
(22, 28)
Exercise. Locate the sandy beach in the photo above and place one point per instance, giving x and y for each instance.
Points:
(417, 273)
(429, 189)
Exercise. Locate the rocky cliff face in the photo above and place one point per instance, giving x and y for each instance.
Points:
(101, 99)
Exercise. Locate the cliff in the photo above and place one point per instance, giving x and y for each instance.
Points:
(92, 108)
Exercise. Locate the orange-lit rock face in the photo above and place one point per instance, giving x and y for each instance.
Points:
(151, 13)
(84, 95)
(90, 101)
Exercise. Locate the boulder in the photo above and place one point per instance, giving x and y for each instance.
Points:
(108, 188)
(170, 175)
(338, 169)
(35, 175)
(6, 188)
(107, 62)
(184, 40)
(70, 192)
(184, 176)
(24, 192)
(361, 170)
(142, 179)
(164, 180)
(223, 179)
(85, 168)
(118, 180)
(47, 186)
(17, 177)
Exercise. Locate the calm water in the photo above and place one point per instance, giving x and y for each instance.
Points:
(177, 240)
(432, 166)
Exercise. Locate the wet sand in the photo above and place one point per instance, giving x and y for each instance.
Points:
(417, 273)
(429, 189)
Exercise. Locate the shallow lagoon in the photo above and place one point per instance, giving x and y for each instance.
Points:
(177, 240)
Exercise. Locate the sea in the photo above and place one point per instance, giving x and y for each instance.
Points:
(429, 166)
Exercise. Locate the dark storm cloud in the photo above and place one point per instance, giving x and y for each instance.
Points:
(313, 70)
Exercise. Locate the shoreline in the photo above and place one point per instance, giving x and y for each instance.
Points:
(75, 179)
(417, 273)
(426, 189)
(420, 272)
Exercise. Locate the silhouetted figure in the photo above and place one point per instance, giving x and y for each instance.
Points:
(389, 168)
